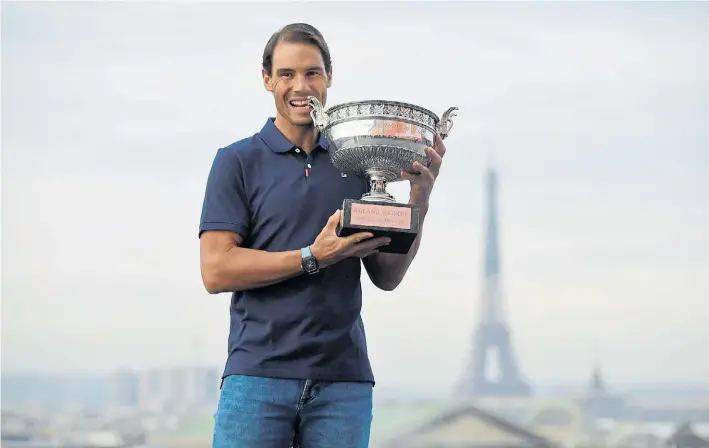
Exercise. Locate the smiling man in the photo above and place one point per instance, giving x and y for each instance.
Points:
(297, 371)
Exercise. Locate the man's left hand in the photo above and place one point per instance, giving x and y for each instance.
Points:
(423, 177)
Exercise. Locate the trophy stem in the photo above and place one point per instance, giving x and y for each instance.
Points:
(378, 180)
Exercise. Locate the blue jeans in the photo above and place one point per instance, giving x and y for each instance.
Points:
(255, 412)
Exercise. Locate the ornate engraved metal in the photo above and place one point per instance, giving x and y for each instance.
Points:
(378, 139)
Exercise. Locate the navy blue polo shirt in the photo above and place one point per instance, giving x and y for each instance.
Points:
(279, 199)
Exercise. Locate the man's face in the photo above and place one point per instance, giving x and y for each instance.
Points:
(298, 72)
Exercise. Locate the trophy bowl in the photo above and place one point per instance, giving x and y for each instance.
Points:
(377, 140)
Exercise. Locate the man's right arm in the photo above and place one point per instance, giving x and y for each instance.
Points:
(227, 267)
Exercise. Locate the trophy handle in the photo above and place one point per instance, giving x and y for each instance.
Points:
(444, 126)
(318, 113)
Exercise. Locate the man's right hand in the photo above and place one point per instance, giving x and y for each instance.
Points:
(329, 248)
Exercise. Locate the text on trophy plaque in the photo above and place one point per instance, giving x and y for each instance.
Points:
(380, 216)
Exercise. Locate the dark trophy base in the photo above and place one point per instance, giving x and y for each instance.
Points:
(400, 222)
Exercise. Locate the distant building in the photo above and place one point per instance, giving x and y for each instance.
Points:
(601, 403)
(126, 389)
(685, 437)
(170, 389)
(467, 426)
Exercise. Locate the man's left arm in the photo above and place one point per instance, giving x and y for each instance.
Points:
(386, 271)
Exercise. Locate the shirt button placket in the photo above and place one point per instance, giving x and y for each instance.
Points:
(308, 165)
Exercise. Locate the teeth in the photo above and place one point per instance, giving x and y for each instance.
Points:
(299, 103)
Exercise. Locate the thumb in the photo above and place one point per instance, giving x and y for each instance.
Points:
(333, 221)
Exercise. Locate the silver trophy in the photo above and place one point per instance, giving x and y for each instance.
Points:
(377, 140)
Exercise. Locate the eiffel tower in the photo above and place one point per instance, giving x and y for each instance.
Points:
(492, 336)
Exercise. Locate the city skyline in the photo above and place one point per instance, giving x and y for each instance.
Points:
(599, 139)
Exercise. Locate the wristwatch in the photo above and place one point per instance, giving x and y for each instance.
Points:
(308, 261)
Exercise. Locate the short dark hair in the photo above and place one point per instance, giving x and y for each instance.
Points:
(296, 33)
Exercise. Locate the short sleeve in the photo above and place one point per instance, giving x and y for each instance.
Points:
(225, 205)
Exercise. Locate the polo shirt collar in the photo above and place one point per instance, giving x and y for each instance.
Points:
(277, 142)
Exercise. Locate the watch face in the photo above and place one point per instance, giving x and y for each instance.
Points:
(310, 265)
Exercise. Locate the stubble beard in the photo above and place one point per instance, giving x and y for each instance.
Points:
(284, 110)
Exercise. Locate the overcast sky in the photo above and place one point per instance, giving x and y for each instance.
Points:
(595, 116)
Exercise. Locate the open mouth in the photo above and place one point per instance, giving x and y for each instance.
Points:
(299, 103)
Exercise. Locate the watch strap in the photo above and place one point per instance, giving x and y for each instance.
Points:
(308, 262)
(305, 252)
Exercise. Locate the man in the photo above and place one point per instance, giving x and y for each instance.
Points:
(298, 371)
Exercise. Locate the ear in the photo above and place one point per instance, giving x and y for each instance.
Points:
(266, 80)
(329, 78)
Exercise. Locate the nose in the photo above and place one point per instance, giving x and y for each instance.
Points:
(300, 83)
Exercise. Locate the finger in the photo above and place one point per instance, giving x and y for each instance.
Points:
(414, 178)
(435, 161)
(370, 253)
(357, 237)
(375, 242)
(439, 146)
(333, 220)
(368, 246)
(425, 175)
(411, 177)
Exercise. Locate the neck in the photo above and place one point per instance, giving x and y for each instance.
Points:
(304, 137)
